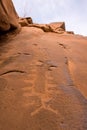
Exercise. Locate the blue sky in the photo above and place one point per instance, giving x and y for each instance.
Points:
(72, 12)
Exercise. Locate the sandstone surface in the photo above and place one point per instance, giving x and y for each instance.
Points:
(43, 78)
(8, 16)
(43, 81)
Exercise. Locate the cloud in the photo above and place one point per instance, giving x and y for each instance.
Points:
(73, 12)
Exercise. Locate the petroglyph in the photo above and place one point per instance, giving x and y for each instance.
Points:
(39, 91)
(12, 71)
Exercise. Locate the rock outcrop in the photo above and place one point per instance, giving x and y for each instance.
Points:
(43, 75)
(8, 16)
(9, 20)
(25, 21)
(56, 27)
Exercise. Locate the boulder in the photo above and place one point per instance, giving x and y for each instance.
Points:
(25, 21)
(57, 26)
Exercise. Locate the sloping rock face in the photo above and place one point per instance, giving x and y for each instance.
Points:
(8, 16)
(43, 81)
(43, 77)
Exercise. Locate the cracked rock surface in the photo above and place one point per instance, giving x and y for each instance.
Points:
(43, 81)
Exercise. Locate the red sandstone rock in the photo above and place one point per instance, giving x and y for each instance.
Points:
(53, 27)
(43, 81)
(8, 16)
(57, 25)
(25, 21)
(43, 76)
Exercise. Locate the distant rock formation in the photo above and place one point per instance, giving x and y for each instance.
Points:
(25, 21)
(8, 16)
(9, 20)
(56, 27)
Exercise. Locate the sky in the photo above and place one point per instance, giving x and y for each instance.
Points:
(72, 12)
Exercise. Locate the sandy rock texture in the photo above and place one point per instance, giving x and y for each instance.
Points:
(43, 75)
(43, 81)
(8, 16)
